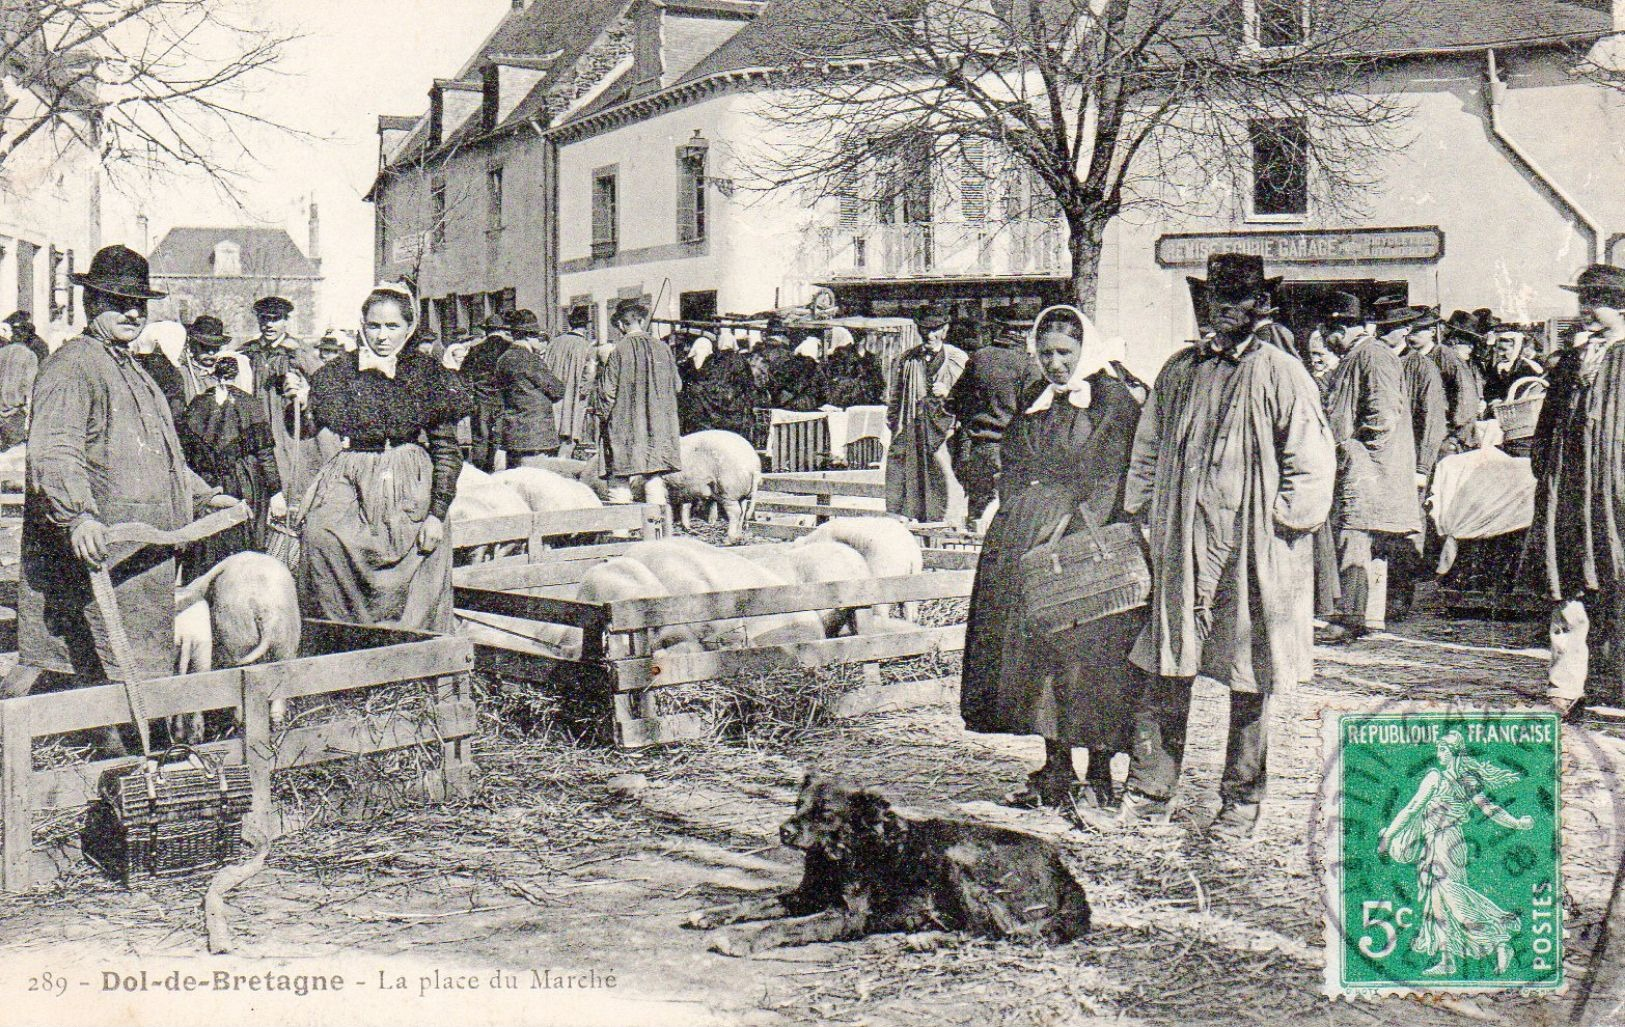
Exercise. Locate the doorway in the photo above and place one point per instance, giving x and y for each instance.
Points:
(1303, 305)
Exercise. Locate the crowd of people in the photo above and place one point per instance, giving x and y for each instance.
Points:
(1265, 477)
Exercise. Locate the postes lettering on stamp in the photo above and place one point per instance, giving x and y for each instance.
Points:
(1445, 862)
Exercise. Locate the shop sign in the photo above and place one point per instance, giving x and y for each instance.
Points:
(1351, 246)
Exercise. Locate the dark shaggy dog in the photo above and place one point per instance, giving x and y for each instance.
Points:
(872, 869)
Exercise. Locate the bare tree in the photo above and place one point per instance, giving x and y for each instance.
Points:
(145, 84)
(1109, 106)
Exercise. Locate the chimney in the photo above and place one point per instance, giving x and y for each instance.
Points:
(141, 229)
(648, 46)
(315, 251)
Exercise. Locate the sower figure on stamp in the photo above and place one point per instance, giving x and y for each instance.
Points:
(1232, 468)
(1429, 410)
(1376, 461)
(102, 450)
(636, 402)
(1580, 495)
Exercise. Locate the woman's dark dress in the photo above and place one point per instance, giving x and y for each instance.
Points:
(1014, 684)
(230, 446)
(720, 396)
(853, 379)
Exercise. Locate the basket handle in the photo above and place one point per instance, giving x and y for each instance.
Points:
(1089, 525)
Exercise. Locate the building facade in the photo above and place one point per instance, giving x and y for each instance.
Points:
(50, 210)
(1512, 180)
(222, 271)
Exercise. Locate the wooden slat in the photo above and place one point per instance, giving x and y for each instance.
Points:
(631, 614)
(640, 732)
(950, 559)
(359, 735)
(814, 510)
(796, 485)
(677, 669)
(54, 713)
(68, 787)
(539, 608)
(366, 668)
(518, 577)
(786, 532)
(325, 637)
(900, 695)
(16, 813)
(521, 527)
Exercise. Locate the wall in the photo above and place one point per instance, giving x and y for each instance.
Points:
(759, 245)
(49, 196)
(1507, 246)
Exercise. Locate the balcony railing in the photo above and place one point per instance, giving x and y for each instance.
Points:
(948, 249)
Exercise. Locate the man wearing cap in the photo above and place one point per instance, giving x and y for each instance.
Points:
(281, 365)
(1232, 471)
(570, 359)
(1374, 503)
(1580, 497)
(102, 450)
(22, 330)
(1429, 414)
(918, 470)
(635, 397)
(984, 400)
(18, 366)
(527, 391)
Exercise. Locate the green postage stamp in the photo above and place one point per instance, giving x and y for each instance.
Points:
(1443, 865)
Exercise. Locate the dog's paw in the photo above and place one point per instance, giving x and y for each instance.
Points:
(733, 943)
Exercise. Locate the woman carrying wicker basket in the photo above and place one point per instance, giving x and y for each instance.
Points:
(1065, 459)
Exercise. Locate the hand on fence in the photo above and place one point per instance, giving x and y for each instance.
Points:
(89, 538)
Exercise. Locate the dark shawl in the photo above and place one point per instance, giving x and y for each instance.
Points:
(719, 396)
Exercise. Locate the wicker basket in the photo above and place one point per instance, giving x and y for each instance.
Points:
(155, 820)
(1077, 579)
(1518, 413)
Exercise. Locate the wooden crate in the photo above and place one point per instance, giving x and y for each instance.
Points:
(536, 595)
(542, 533)
(334, 658)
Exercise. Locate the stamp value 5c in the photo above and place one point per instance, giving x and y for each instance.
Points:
(1444, 866)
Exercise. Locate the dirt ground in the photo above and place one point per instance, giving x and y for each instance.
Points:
(580, 858)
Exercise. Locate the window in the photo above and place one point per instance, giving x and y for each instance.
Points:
(691, 194)
(493, 196)
(437, 215)
(228, 259)
(605, 230)
(973, 182)
(1276, 23)
(1280, 168)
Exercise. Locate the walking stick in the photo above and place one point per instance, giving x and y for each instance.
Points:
(284, 542)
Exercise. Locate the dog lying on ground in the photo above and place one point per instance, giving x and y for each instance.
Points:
(873, 869)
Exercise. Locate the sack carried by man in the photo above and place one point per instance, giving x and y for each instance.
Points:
(1077, 579)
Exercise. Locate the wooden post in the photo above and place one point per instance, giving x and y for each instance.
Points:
(259, 750)
(454, 756)
(822, 499)
(16, 801)
(654, 523)
(536, 542)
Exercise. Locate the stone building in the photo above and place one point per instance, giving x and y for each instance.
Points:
(222, 271)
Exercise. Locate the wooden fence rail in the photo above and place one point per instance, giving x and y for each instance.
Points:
(338, 658)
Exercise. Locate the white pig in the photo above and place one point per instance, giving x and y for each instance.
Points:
(485, 500)
(253, 612)
(547, 491)
(194, 654)
(822, 563)
(718, 467)
(889, 548)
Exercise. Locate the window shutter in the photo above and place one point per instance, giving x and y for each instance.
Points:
(973, 200)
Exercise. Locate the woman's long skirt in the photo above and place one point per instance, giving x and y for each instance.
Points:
(359, 560)
(1016, 684)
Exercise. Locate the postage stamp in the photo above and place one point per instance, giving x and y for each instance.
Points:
(1444, 863)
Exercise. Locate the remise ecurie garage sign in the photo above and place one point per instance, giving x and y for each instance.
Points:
(1348, 246)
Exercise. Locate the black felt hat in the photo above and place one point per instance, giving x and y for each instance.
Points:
(932, 319)
(1344, 308)
(1463, 325)
(1604, 279)
(1236, 274)
(119, 271)
(522, 322)
(207, 332)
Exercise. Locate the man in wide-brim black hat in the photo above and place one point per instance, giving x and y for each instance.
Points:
(1429, 418)
(1232, 471)
(1237, 282)
(1580, 497)
(102, 450)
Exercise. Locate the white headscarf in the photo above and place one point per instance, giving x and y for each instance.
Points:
(699, 351)
(1092, 357)
(366, 359)
(808, 348)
